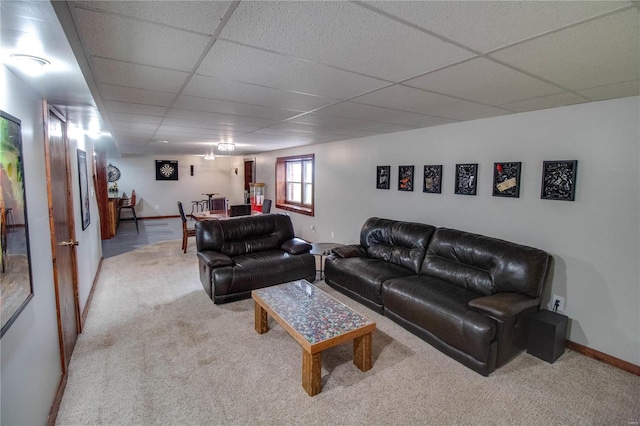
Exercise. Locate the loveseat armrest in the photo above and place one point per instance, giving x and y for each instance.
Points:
(215, 259)
(503, 305)
(353, 250)
(296, 246)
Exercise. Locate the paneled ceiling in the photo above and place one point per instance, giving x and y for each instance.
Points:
(179, 77)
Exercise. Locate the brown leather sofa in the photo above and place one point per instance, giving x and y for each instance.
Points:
(242, 254)
(468, 295)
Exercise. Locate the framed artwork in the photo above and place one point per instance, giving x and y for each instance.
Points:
(84, 189)
(432, 182)
(383, 177)
(16, 288)
(506, 179)
(405, 178)
(466, 179)
(559, 180)
(166, 170)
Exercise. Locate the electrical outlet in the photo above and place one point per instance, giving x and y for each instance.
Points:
(332, 234)
(557, 303)
(313, 228)
(157, 207)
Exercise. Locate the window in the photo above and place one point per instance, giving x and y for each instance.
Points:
(294, 184)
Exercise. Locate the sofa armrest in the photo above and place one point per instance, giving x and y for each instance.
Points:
(296, 246)
(503, 305)
(353, 250)
(215, 259)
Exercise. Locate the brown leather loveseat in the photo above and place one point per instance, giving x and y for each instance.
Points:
(468, 295)
(242, 254)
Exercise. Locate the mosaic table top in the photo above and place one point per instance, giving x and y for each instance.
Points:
(310, 311)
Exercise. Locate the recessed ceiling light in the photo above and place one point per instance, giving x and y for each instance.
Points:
(160, 141)
(29, 64)
(226, 147)
(209, 157)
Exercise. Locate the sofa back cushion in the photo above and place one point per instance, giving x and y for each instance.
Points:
(485, 265)
(401, 243)
(244, 235)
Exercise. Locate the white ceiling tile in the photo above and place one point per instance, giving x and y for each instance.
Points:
(238, 120)
(129, 108)
(207, 125)
(234, 108)
(612, 91)
(229, 90)
(390, 128)
(484, 81)
(474, 114)
(595, 53)
(248, 65)
(133, 125)
(341, 34)
(431, 121)
(189, 132)
(120, 73)
(116, 116)
(334, 122)
(133, 95)
(488, 25)
(369, 112)
(415, 100)
(199, 16)
(111, 36)
(545, 102)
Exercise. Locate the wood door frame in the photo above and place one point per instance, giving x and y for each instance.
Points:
(47, 109)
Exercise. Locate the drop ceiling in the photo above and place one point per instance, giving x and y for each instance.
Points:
(269, 75)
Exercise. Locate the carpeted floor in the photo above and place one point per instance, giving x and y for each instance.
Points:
(156, 350)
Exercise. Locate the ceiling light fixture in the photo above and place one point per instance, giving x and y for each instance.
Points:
(209, 156)
(29, 64)
(226, 147)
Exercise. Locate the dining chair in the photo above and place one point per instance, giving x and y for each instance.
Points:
(186, 231)
(266, 206)
(240, 210)
(219, 203)
(130, 204)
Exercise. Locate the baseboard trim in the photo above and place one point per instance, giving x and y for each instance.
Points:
(601, 356)
(158, 217)
(85, 312)
(53, 413)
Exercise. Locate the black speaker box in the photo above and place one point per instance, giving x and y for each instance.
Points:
(547, 335)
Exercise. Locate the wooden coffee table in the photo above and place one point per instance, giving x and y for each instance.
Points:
(316, 321)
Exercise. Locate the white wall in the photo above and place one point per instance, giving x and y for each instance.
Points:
(139, 173)
(31, 369)
(594, 240)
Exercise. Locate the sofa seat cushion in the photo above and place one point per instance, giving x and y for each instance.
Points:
(362, 275)
(262, 269)
(441, 309)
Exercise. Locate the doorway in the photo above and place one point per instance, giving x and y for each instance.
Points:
(62, 228)
(248, 178)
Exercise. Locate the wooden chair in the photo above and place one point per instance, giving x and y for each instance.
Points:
(240, 210)
(266, 206)
(129, 203)
(186, 232)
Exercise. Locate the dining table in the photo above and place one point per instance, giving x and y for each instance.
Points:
(218, 214)
(210, 195)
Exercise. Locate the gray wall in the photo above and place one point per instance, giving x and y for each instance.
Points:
(30, 360)
(139, 173)
(594, 240)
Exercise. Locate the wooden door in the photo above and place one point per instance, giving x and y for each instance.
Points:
(248, 176)
(61, 223)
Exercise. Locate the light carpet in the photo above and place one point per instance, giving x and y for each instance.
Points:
(156, 350)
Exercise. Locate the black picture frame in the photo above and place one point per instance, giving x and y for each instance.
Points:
(16, 277)
(466, 179)
(405, 178)
(383, 177)
(559, 180)
(166, 169)
(84, 189)
(506, 179)
(432, 179)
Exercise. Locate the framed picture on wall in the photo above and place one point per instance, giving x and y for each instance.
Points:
(506, 180)
(84, 189)
(432, 181)
(166, 170)
(559, 180)
(405, 178)
(383, 177)
(466, 179)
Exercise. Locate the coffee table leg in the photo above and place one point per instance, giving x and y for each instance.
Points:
(262, 325)
(362, 348)
(311, 372)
